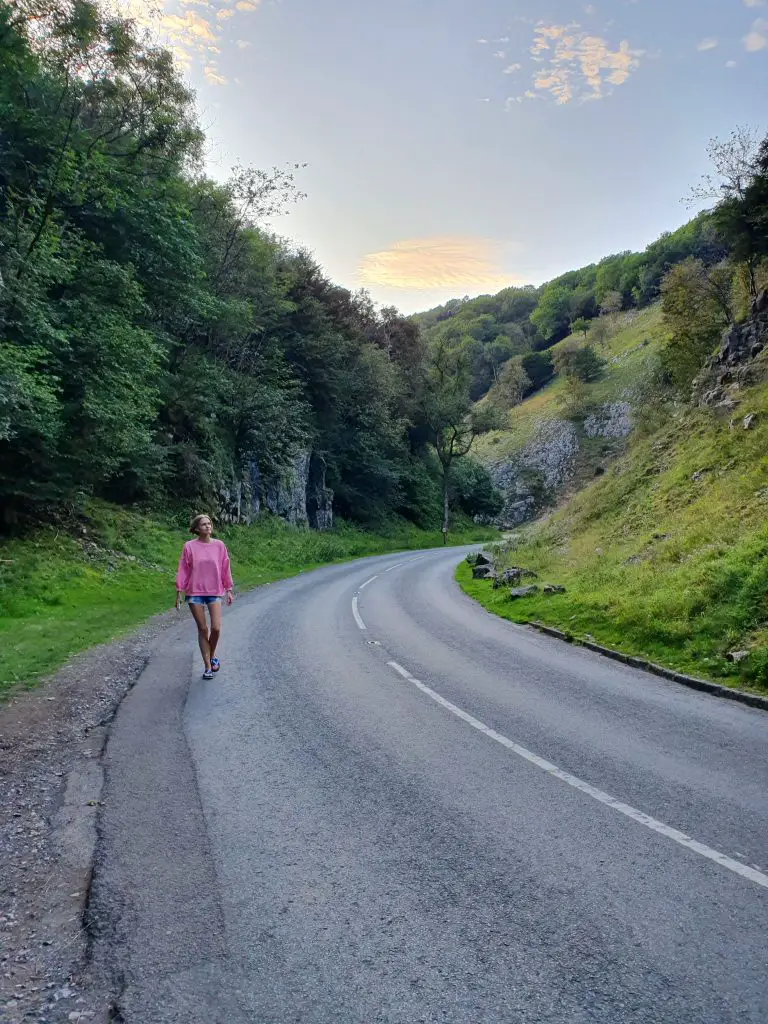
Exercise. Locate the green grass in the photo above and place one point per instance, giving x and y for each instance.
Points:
(666, 556)
(61, 594)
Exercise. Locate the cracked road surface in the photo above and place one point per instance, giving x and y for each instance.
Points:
(390, 806)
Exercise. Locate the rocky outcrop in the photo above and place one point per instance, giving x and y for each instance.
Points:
(298, 495)
(736, 364)
(611, 421)
(533, 478)
(530, 479)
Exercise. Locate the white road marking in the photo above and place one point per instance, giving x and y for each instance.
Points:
(364, 585)
(356, 613)
(597, 794)
(395, 566)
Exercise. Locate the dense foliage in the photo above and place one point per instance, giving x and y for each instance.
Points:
(154, 341)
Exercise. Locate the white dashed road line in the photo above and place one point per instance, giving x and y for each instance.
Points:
(597, 794)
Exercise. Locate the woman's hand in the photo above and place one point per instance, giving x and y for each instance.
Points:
(178, 600)
(230, 596)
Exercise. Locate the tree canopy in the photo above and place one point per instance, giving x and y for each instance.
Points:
(156, 340)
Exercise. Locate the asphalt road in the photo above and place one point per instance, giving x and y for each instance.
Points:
(390, 806)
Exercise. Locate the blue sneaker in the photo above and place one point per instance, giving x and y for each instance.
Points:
(215, 664)
(208, 674)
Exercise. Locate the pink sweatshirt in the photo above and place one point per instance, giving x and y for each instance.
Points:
(204, 569)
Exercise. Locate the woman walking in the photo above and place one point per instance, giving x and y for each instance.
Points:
(204, 576)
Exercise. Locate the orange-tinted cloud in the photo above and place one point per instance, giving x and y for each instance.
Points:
(573, 65)
(430, 263)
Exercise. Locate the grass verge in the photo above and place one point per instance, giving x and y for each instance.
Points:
(61, 593)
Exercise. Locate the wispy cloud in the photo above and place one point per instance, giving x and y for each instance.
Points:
(431, 263)
(192, 29)
(707, 44)
(757, 39)
(575, 65)
(754, 3)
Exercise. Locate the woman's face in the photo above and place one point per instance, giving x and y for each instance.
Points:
(204, 527)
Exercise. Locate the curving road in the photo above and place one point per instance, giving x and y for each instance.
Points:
(393, 807)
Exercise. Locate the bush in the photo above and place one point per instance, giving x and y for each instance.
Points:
(539, 368)
(474, 491)
(579, 362)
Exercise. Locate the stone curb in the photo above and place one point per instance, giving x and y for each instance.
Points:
(752, 699)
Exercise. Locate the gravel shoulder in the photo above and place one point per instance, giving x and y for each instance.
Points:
(51, 778)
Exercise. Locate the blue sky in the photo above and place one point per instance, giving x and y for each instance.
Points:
(457, 146)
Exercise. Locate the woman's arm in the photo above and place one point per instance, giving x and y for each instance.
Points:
(183, 574)
(226, 576)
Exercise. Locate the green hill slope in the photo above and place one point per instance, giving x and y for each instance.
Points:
(666, 554)
(548, 449)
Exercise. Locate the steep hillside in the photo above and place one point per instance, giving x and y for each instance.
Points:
(666, 554)
(549, 447)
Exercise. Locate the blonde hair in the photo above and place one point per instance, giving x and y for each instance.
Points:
(195, 522)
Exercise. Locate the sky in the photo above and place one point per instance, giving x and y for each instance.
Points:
(454, 147)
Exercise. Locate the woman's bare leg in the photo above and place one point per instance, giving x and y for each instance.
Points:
(215, 613)
(198, 614)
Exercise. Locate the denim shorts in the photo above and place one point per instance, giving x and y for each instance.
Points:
(203, 599)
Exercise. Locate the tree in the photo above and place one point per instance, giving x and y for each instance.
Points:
(512, 386)
(498, 352)
(734, 162)
(742, 216)
(600, 331)
(539, 368)
(695, 314)
(552, 315)
(578, 361)
(451, 422)
(573, 397)
(580, 326)
(474, 491)
(612, 302)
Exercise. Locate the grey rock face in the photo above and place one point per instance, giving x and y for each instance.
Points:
(530, 479)
(518, 592)
(612, 421)
(733, 366)
(286, 497)
(299, 495)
